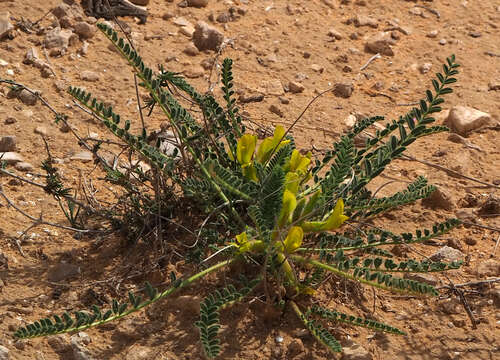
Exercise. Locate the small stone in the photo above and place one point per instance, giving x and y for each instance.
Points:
(432, 34)
(57, 38)
(284, 100)
(187, 31)
(439, 199)
(5, 25)
(494, 85)
(466, 215)
(306, 54)
(31, 56)
(442, 42)
(490, 267)
(343, 90)
(295, 348)
(40, 130)
(83, 156)
(295, 87)
(24, 166)
(197, 3)
(10, 120)
(425, 278)
(80, 352)
(462, 119)
(363, 20)
(191, 50)
(317, 68)
(223, 18)
(4, 353)
(447, 253)
(84, 30)
(335, 34)
(88, 75)
(425, 68)
(61, 10)
(350, 120)
(276, 110)
(195, 72)
(475, 34)
(248, 98)
(206, 37)
(380, 44)
(272, 87)
(180, 21)
(491, 207)
(63, 271)
(27, 98)
(353, 351)
(470, 241)
(11, 157)
(8, 143)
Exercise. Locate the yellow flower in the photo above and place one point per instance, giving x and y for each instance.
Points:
(244, 153)
(244, 245)
(294, 239)
(287, 208)
(334, 221)
(299, 163)
(269, 145)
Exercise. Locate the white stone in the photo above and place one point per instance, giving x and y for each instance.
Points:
(463, 120)
(10, 157)
(5, 24)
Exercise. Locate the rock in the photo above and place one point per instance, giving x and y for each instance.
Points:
(494, 85)
(354, 351)
(439, 199)
(462, 119)
(8, 143)
(187, 31)
(83, 156)
(197, 3)
(31, 56)
(40, 130)
(59, 343)
(317, 68)
(350, 120)
(343, 90)
(63, 271)
(140, 2)
(61, 10)
(180, 21)
(195, 72)
(470, 241)
(57, 38)
(490, 207)
(448, 254)
(5, 25)
(206, 37)
(248, 98)
(10, 120)
(24, 166)
(432, 34)
(276, 110)
(363, 20)
(335, 34)
(10, 157)
(425, 278)
(272, 87)
(84, 30)
(466, 215)
(191, 50)
(425, 68)
(380, 44)
(81, 338)
(490, 267)
(295, 87)
(88, 75)
(26, 97)
(78, 342)
(224, 17)
(4, 353)
(295, 348)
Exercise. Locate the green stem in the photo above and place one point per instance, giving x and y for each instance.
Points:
(159, 296)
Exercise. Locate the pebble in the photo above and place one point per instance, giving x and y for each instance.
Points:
(494, 85)
(5, 25)
(187, 30)
(447, 253)
(353, 351)
(439, 199)
(350, 120)
(40, 130)
(59, 343)
(343, 90)
(8, 143)
(80, 352)
(276, 110)
(84, 30)
(197, 3)
(466, 215)
(63, 271)
(432, 34)
(10, 120)
(335, 34)
(24, 166)
(61, 10)
(57, 38)
(224, 17)
(195, 72)
(27, 98)
(191, 50)
(88, 75)
(442, 42)
(272, 87)
(11, 157)
(425, 68)
(490, 207)
(364, 20)
(206, 37)
(4, 353)
(380, 44)
(317, 68)
(248, 98)
(295, 87)
(83, 156)
(462, 119)
(295, 348)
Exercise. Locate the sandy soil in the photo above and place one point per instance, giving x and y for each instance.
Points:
(272, 41)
